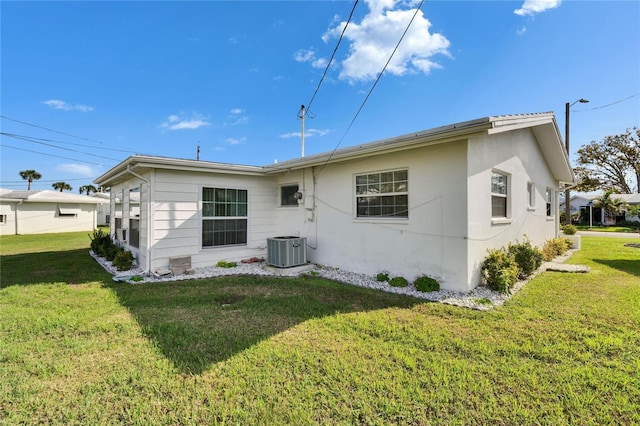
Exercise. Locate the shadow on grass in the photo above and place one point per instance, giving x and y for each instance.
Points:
(198, 323)
(72, 267)
(629, 266)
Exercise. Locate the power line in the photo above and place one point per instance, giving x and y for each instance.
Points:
(48, 129)
(372, 87)
(50, 155)
(607, 105)
(55, 146)
(33, 138)
(332, 56)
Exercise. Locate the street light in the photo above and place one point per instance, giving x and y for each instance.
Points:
(567, 195)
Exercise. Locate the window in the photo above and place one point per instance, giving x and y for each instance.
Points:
(549, 202)
(383, 194)
(3, 219)
(531, 194)
(134, 217)
(68, 210)
(288, 195)
(224, 217)
(499, 201)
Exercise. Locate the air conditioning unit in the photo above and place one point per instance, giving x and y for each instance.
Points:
(285, 252)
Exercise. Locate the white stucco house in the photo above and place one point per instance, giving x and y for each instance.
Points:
(43, 212)
(427, 203)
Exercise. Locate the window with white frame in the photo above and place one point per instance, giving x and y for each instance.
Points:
(289, 195)
(531, 194)
(224, 217)
(384, 194)
(3, 219)
(499, 194)
(549, 196)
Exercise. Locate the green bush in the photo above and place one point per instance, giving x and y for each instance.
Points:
(101, 243)
(500, 271)
(527, 256)
(225, 264)
(425, 283)
(382, 276)
(123, 260)
(398, 282)
(555, 247)
(569, 229)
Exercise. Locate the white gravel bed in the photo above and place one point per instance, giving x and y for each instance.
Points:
(481, 298)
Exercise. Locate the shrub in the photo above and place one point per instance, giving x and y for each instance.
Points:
(500, 271)
(569, 229)
(555, 247)
(527, 256)
(123, 260)
(101, 242)
(225, 264)
(425, 283)
(398, 282)
(382, 276)
(111, 251)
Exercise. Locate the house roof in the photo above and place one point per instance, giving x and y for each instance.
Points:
(47, 196)
(542, 125)
(628, 198)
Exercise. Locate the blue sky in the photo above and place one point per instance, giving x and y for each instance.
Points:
(85, 84)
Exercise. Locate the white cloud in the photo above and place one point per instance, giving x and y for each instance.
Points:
(236, 117)
(521, 31)
(374, 38)
(309, 55)
(236, 141)
(532, 7)
(180, 122)
(308, 133)
(62, 105)
(76, 169)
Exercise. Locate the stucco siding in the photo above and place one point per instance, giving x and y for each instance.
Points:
(518, 155)
(8, 226)
(430, 242)
(44, 218)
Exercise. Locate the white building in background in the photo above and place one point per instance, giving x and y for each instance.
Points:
(427, 203)
(42, 212)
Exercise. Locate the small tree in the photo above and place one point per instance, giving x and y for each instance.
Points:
(62, 186)
(30, 176)
(612, 205)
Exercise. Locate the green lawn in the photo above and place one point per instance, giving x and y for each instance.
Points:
(78, 348)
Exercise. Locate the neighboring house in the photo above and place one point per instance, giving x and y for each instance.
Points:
(588, 204)
(427, 203)
(103, 209)
(43, 212)
(632, 200)
(578, 202)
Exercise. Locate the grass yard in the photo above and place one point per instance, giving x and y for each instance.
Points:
(78, 348)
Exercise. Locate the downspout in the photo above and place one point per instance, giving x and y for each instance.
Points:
(16, 215)
(148, 256)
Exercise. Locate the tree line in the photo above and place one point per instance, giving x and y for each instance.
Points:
(31, 175)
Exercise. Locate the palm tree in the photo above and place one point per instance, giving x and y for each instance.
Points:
(612, 206)
(30, 176)
(88, 189)
(62, 186)
(102, 188)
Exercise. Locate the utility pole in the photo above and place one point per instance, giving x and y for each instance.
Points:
(198, 154)
(302, 114)
(567, 192)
